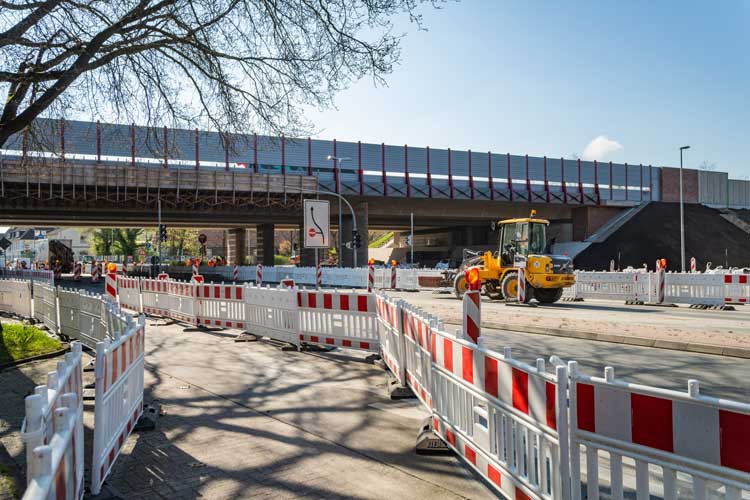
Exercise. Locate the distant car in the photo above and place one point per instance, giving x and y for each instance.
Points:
(443, 264)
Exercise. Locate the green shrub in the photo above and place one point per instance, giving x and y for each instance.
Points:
(280, 260)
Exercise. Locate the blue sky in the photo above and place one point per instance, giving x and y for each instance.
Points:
(550, 77)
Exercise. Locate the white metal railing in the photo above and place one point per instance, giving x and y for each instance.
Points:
(15, 297)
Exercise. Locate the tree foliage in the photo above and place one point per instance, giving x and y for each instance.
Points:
(233, 64)
(115, 241)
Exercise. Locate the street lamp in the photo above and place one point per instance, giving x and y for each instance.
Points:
(682, 215)
(339, 161)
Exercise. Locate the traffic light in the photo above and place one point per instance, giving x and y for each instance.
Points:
(162, 232)
(356, 239)
(408, 241)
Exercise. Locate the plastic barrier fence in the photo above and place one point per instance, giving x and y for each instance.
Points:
(182, 301)
(272, 312)
(28, 274)
(53, 432)
(119, 393)
(129, 293)
(15, 297)
(154, 297)
(220, 305)
(736, 289)
(694, 288)
(45, 305)
(392, 346)
(82, 316)
(679, 444)
(344, 319)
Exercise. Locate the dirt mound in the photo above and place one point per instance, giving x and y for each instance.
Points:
(655, 233)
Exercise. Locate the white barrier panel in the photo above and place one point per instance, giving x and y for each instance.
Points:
(154, 297)
(129, 293)
(53, 432)
(392, 343)
(344, 319)
(182, 301)
(220, 305)
(272, 312)
(45, 305)
(608, 286)
(417, 336)
(119, 393)
(15, 297)
(407, 279)
(28, 274)
(736, 289)
(82, 316)
(680, 444)
(694, 288)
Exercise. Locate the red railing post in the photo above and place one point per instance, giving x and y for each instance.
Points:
(429, 174)
(611, 185)
(283, 155)
(255, 152)
(580, 182)
(510, 178)
(335, 169)
(528, 180)
(166, 149)
(360, 173)
(62, 139)
(450, 175)
(626, 181)
(197, 151)
(226, 153)
(562, 176)
(309, 157)
(641, 180)
(489, 175)
(596, 182)
(471, 179)
(382, 164)
(546, 181)
(406, 171)
(132, 144)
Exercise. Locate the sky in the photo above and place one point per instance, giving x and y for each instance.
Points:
(607, 80)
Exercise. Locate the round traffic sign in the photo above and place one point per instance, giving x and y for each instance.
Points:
(202, 238)
(312, 232)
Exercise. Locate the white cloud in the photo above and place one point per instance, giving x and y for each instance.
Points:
(601, 148)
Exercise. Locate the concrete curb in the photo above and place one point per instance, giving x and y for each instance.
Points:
(735, 352)
(39, 357)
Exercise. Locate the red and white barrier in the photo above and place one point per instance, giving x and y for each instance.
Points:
(77, 271)
(736, 289)
(343, 319)
(235, 272)
(259, 275)
(661, 285)
(370, 277)
(154, 296)
(318, 276)
(119, 394)
(95, 272)
(392, 342)
(129, 293)
(110, 286)
(220, 305)
(693, 265)
(53, 432)
(195, 269)
(182, 303)
(272, 312)
(704, 438)
(521, 285)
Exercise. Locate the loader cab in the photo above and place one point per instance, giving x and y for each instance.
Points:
(525, 237)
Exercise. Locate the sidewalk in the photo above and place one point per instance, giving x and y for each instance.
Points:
(246, 420)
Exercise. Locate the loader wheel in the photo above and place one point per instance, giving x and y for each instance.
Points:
(460, 286)
(548, 295)
(492, 291)
(509, 288)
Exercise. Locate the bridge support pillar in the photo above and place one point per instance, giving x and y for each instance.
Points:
(361, 212)
(236, 246)
(265, 244)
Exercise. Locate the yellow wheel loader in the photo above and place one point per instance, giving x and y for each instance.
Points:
(521, 240)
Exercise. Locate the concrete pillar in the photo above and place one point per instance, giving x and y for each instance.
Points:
(236, 245)
(361, 212)
(265, 244)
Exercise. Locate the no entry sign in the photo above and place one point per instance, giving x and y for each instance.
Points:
(317, 224)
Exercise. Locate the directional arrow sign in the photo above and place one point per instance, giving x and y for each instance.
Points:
(317, 224)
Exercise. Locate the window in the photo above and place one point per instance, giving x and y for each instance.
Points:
(538, 240)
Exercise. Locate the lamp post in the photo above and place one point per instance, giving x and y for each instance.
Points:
(682, 215)
(339, 161)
